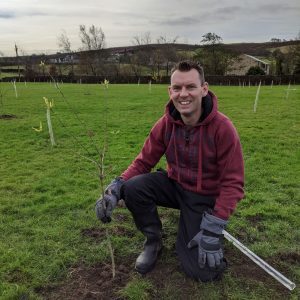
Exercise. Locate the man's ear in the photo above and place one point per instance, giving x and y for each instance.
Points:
(205, 89)
(169, 91)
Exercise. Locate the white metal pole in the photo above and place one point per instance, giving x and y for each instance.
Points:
(261, 263)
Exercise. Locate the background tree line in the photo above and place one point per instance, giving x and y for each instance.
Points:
(213, 55)
(151, 57)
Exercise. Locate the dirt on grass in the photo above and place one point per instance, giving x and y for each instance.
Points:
(242, 267)
(95, 282)
(7, 117)
(90, 282)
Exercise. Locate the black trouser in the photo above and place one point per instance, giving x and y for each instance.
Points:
(143, 193)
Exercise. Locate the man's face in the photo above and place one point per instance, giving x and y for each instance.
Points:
(186, 92)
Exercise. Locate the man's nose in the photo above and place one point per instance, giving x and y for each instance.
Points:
(184, 92)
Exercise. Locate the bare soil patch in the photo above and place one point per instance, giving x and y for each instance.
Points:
(94, 233)
(167, 278)
(95, 282)
(7, 117)
(98, 234)
(90, 282)
(291, 258)
(242, 267)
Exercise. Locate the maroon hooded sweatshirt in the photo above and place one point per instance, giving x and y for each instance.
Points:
(206, 158)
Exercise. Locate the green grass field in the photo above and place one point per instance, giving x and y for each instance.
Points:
(53, 247)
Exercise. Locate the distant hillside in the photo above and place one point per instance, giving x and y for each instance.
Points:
(260, 49)
(255, 49)
(150, 60)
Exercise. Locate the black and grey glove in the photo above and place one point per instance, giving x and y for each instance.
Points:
(208, 241)
(105, 205)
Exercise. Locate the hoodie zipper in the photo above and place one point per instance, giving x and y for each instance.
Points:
(187, 137)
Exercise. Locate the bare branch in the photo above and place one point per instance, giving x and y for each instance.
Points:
(84, 37)
(136, 40)
(146, 38)
(164, 40)
(97, 38)
(94, 39)
(64, 43)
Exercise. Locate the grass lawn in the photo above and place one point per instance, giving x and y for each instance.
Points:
(53, 247)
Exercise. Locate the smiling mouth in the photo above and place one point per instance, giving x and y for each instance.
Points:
(184, 102)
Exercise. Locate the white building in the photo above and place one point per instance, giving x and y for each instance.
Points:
(244, 62)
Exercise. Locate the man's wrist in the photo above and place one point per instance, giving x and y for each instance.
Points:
(115, 186)
(213, 224)
(211, 234)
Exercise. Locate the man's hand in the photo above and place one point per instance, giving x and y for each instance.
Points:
(114, 187)
(209, 250)
(105, 205)
(208, 241)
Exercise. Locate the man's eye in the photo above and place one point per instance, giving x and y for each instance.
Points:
(176, 88)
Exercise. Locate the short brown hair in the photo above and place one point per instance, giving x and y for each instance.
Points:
(187, 65)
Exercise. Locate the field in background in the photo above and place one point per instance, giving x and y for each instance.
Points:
(53, 247)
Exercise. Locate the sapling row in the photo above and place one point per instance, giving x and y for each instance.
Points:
(15, 88)
(257, 97)
(101, 154)
(100, 163)
(49, 105)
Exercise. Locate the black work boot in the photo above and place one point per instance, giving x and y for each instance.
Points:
(152, 248)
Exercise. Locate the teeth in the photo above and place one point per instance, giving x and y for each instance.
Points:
(185, 102)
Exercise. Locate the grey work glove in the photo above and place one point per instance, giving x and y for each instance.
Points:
(105, 205)
(114, 187)
(208, 241)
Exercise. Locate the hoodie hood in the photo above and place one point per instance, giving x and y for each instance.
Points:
(209, 110)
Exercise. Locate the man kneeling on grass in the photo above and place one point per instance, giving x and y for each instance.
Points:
(204, 178)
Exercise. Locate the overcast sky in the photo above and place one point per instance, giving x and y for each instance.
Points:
(35, 24)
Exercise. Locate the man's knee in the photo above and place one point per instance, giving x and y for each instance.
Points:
(144, 188)
(205, 274)
(131, 189)
(189, 263)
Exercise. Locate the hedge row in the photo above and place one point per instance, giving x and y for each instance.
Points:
(213, 80)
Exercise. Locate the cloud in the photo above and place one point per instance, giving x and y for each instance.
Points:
(36, 24)
(34, 14)
(21, 13)
(179, 21)
(278, 8)
(6, 15)
(214, 15)
(228, 11)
